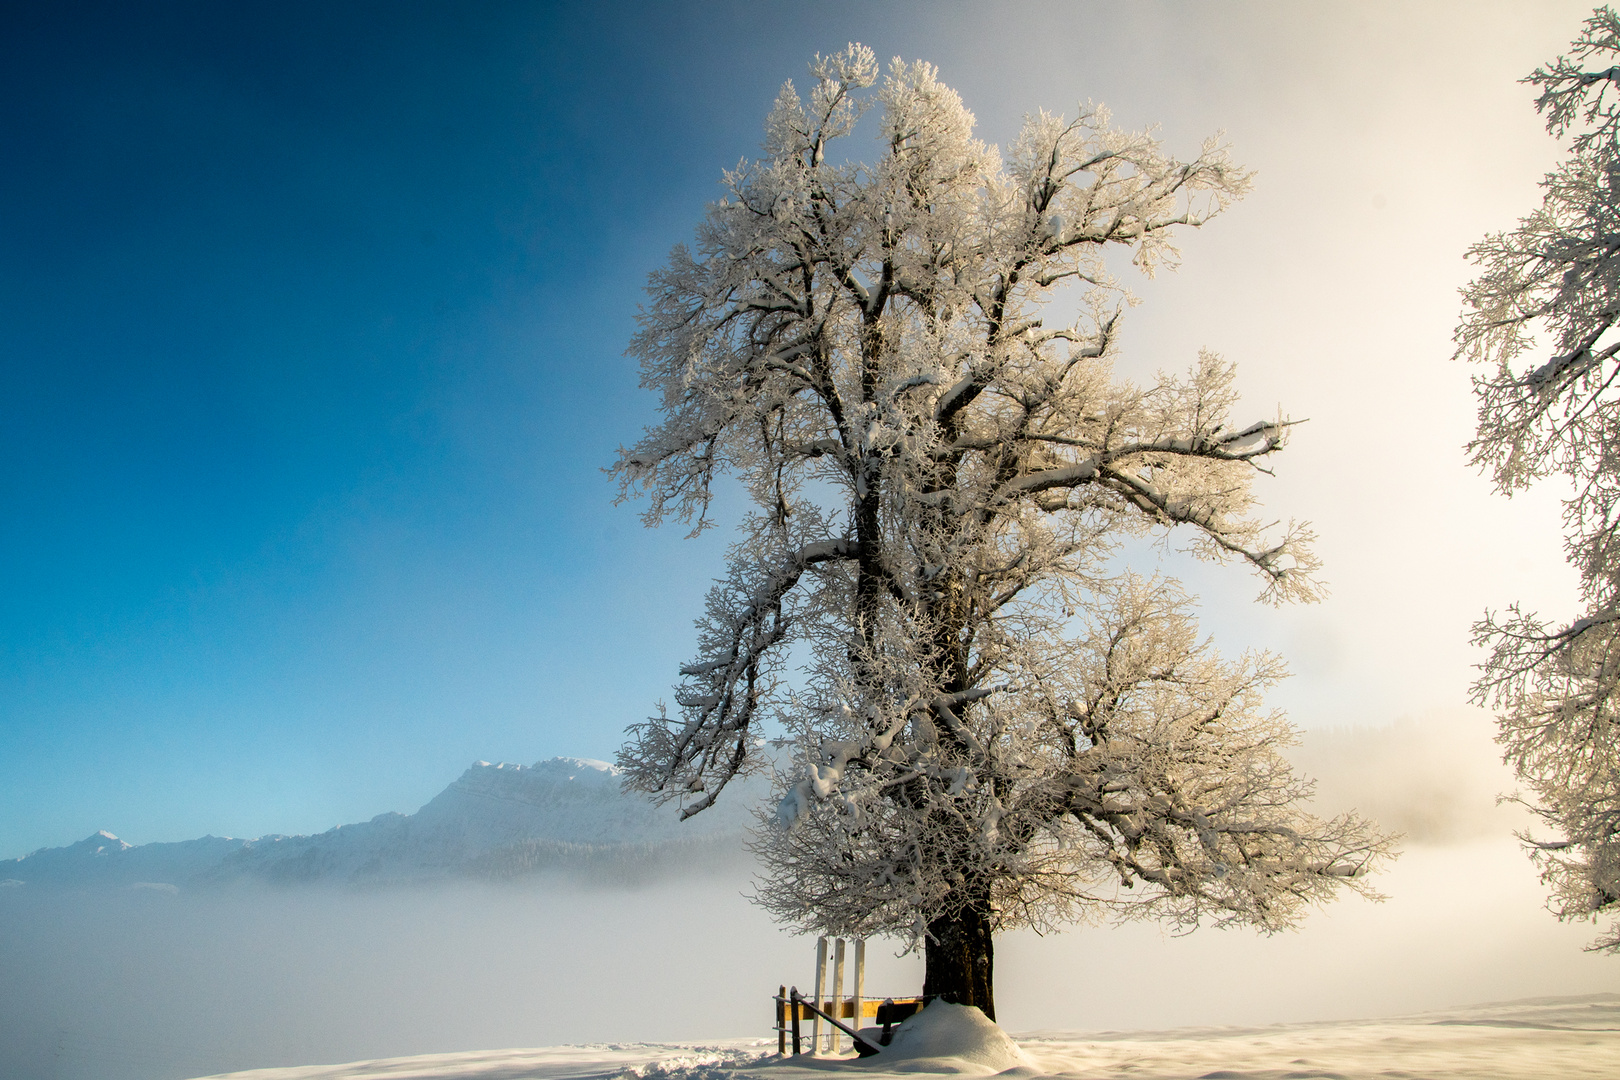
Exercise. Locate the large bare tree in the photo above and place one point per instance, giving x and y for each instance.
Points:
(994, 724)
(1542, 314)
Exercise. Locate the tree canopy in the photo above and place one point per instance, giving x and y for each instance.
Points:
(1542, 314)
(994, 724)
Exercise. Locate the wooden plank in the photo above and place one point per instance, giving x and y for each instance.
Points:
(860, 981)
(820, 992)
(863, 1046)
(892, 1012)
(869, 1008)
(835, 1040)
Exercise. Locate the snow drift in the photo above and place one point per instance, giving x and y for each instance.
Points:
(944, 1037)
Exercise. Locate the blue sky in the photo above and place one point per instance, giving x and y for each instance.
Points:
(313, 321)
(313, 355)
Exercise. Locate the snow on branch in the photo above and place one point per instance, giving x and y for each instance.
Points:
(1541, 317)
(692, 758)
(987, 726)
(1165, 779)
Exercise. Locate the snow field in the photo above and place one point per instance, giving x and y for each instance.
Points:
(1540, 1039)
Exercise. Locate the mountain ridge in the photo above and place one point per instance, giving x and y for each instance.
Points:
(494, 821)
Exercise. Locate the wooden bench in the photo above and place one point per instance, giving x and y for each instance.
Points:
(791, 1009)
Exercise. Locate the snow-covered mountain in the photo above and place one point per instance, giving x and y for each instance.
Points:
(494, 821)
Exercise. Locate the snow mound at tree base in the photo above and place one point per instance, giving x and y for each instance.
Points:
(943, 1036)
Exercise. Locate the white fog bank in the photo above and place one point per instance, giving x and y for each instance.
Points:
(1435, 778)
(150, 983)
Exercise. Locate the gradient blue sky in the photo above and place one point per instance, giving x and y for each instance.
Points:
(311, 333)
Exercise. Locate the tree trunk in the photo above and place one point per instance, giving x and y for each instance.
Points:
(958, 957)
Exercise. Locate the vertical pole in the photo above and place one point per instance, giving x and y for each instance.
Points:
(860, 981)
(819, 990)
(793, 1000)
(781, 1020)
(835, 1038)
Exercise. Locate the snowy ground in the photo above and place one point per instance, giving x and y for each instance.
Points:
(1540, 1039)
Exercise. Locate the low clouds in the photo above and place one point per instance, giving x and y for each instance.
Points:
(146, 984)
(141, 984)
(1435, 779)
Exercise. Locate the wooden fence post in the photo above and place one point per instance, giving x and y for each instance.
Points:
(781, 1020)
(860, 981)
(819, 991)
(835, 1038)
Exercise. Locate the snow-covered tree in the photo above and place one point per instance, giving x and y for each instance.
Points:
(1542, 313)
(993, 727)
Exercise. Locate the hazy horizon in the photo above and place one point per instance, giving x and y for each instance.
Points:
(198, 980)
